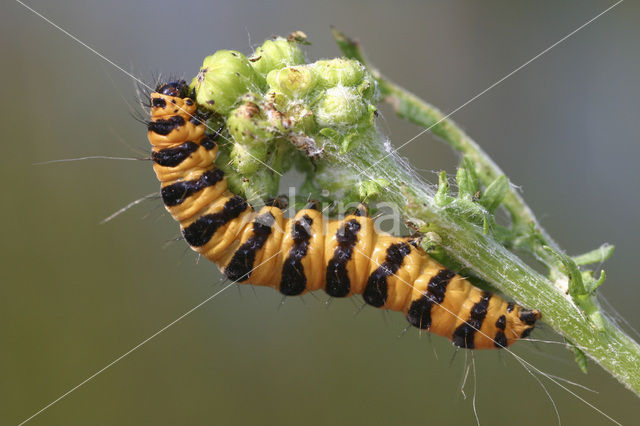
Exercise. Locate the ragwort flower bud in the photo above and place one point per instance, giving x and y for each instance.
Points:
(223, 78)
(294, 82)
(332, 72)
(276, 54)
(339, 106)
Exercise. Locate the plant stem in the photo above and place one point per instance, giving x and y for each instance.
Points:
(489, 260)
(421, 113)
(612, 348)
(606, 344)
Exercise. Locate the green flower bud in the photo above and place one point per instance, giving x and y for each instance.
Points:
(235, 183)
(340, 106)
(294, 82)
(276, 54)
(259, 187)
(247, 126)
(260, 183)
(223, 78)
(301, 118)
(247, 160)
(251, 135)
(332, 72)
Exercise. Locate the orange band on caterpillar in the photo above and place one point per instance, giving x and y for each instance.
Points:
(306, 252)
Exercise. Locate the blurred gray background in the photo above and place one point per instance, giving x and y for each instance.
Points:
(77, 294)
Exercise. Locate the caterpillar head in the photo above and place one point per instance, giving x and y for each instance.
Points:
(174, 116)
(173, 99)
(176, 88)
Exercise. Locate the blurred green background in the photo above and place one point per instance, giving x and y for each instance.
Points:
(77, 294)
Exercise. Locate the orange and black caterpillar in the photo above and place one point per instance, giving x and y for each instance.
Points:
(306, 253)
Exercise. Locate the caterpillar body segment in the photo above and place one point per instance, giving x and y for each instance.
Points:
(308, 252)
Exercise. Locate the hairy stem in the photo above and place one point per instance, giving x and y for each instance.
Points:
(575, 316)
(611, 348)
(421, 113)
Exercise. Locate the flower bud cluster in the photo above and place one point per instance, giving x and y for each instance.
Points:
(273, 103)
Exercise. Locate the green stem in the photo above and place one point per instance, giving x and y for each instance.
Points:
(468, 245)
(421, 113)
(611, 348)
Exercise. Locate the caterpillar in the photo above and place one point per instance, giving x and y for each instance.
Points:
(306, 253)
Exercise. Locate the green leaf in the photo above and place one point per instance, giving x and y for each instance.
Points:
(590, 283)
(443, 196)
(494, 194)
(347, 142)
(579, 357)
(576, 286)
(371, 188)
(578, 292)
(467, 179)
(350, 48)
(430, 241)
(598, 255)
(330, 133)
